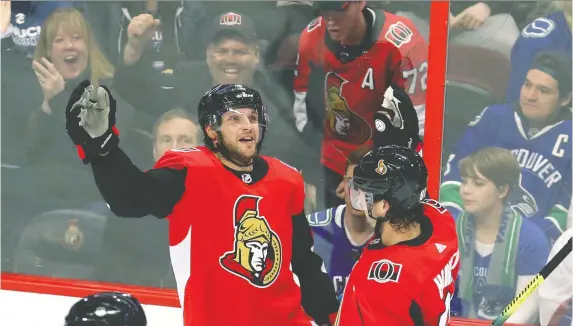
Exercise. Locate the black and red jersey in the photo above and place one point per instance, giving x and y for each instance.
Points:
(355, 79)
(409, 283)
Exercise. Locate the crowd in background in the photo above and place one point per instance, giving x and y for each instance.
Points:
(507, 155)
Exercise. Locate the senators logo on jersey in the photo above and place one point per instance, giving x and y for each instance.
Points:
(257, 253)
(342, 122)
(384, 271)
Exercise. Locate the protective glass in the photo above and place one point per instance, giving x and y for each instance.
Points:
(359, 199)
(243, 118)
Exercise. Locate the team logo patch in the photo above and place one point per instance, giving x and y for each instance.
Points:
(341, 122)
(380, 126)
(230, 19)
(539, 28)
(257, 253)
(73, 238)
(384, 271)
(399, 34)
(382, 168)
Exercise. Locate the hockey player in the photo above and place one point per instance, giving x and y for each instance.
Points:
(361, 51)
(107, 309)
(341, 231)
(407, 272)
(240, 242)
(537, 130)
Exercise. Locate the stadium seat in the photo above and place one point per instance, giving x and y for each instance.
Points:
(476, 78)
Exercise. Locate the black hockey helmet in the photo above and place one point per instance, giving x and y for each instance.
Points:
(222, 98)
(392, 173)
(107, 309)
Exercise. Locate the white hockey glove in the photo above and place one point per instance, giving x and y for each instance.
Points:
(90, 123)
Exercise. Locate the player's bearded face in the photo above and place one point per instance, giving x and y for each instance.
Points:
(240, 131)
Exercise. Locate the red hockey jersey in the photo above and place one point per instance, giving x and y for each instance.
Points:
(354, 90)
(231, 243)
(410, 283)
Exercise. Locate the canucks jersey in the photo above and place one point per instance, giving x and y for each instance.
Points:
(27, 18)
(331, 243)
(545, 33)
(544, 156)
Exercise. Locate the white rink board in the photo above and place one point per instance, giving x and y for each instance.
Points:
(32, 309)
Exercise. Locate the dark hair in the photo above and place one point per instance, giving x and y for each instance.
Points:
(557, 65)
(357, 154)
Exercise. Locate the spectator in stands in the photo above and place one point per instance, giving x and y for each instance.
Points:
(22, 22)
(555, 293)
(233, 57)
(347, 59)
(341, 232)
(142, 258)
(551, 32)
(500, 250)
(538, 132)
(20, 26)
(65, 54)
(174, 129)
(486, 24)
(152, 40)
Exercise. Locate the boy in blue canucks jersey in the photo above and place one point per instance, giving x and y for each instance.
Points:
(341, 232)
(537, 131)
(552, 32)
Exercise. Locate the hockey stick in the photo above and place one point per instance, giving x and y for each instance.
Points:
(534, 284)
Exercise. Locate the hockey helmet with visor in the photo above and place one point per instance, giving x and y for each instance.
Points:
(230, 98)
(395, 174)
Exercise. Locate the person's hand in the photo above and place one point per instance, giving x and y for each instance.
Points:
(139, 32)
(310, 191)
(472, 17)
(90, 121)
(5, 15)
(50, 80)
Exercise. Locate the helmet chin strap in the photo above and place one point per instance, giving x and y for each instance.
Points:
(227, 154)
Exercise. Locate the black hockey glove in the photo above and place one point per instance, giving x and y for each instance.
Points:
(90, 123)
(397, 122)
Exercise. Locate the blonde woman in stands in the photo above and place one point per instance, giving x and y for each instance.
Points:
(66, 53)
(500, 250)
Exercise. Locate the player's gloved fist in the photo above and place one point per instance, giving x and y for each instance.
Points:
(90, 122)
(396, 123)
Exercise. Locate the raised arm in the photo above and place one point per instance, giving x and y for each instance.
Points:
(130, 192)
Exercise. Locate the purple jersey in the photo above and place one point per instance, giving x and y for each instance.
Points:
(331, 243)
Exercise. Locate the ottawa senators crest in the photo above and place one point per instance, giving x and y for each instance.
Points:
(257, 253)
(341, 122)
(381, 169)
